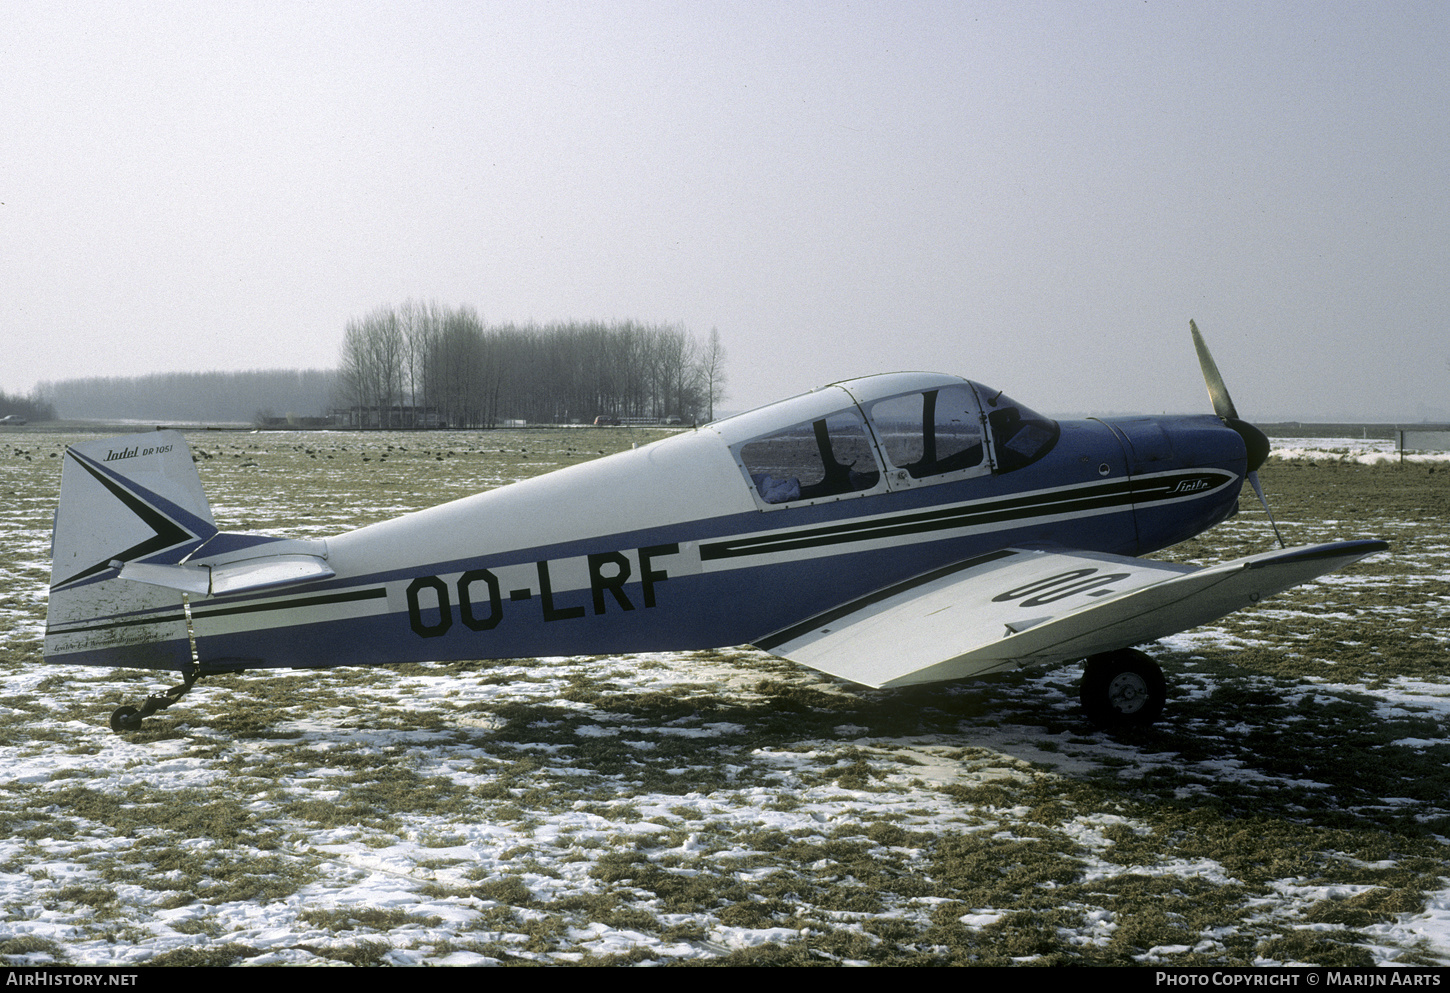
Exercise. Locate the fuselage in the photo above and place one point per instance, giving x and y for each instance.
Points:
(729, 532)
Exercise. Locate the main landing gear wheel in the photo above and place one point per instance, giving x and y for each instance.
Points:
(1122, 689)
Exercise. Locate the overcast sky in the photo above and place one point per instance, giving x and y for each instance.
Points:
(1034, 195)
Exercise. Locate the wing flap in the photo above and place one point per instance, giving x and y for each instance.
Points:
(1024, 607)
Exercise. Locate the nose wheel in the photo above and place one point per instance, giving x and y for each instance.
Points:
(1122, 689)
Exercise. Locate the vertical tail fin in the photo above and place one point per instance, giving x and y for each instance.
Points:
(131, 499)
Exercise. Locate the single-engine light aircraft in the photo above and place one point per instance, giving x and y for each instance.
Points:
(890, 530)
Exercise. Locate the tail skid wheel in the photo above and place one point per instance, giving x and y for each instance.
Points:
(1123, 689)
(129, 718)
(125, 719)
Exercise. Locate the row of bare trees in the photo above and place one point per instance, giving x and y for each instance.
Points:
(190, 397)
(422, 364)
(32, 408)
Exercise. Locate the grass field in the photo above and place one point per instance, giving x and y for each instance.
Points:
(1292, 806)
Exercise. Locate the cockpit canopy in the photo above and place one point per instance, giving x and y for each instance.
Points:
(882, 433)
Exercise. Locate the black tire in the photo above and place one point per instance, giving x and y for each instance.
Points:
(125, 719)
(1122, 689)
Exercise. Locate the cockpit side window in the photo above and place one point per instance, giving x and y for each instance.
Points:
(932, 433)
(829, 457)
(1019, 436)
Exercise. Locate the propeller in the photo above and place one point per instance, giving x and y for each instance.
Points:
(1255, 441)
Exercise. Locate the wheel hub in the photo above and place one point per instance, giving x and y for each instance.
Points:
(1128, 692)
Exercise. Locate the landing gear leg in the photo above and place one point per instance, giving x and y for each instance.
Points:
(129, 718)
(1122, 689)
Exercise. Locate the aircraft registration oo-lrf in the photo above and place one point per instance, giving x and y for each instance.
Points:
(896, 529)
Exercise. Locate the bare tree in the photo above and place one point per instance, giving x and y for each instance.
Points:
(712, 372)
(679, 391)
(419, 324)
(454, 379)
(372, 369)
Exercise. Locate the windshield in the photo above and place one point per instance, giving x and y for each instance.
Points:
(1020, 435)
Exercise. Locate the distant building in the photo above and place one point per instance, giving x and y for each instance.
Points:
(292, 422)
(395, 417)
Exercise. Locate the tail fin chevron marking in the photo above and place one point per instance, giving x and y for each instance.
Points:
(124, 499)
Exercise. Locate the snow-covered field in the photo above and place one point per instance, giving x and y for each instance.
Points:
(1292, 806)
(1363, 451)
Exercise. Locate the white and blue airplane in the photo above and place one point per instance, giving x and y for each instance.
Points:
(890, 530)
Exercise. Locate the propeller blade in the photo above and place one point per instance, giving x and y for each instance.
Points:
(1256, 444)
(1259, 490)
(1223, 404)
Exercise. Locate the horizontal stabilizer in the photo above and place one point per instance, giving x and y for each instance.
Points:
(1025, 607)
(260, 573)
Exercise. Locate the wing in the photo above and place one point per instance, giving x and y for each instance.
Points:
(1029, 607)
